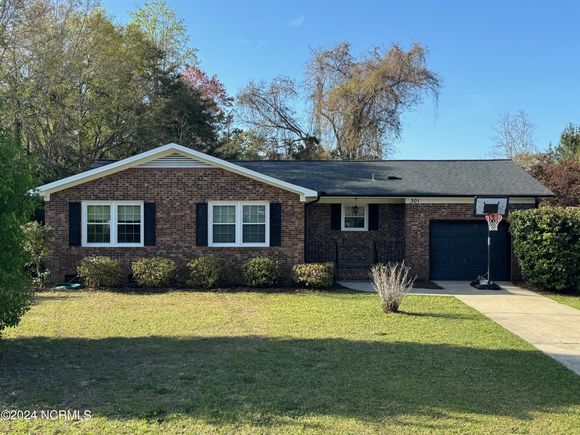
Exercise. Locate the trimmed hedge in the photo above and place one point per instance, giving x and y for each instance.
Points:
(546, 242)
(100, 271)
(154, 272)
(260, 272)
(313, 275)
(205, 272)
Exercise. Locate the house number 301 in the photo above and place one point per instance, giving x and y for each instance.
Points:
(414, 200)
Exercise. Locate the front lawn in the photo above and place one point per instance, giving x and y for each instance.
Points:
(255, 362)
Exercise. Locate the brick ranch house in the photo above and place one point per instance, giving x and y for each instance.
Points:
(176, 202)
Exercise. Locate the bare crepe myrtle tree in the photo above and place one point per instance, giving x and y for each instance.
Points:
(392, 282)
(270, 109)
(514, 134)
(357, 102)
(349, 107)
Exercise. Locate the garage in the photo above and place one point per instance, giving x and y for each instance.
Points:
(458, 251)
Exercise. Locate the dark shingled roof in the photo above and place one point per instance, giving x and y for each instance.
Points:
(100, 162)
(405, 177)
(400, 177)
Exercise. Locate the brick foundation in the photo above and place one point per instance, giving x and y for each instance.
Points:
(175, 193)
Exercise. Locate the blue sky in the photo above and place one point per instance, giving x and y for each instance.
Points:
(493, 56)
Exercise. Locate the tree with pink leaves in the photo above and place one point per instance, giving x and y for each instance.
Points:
(210, 88)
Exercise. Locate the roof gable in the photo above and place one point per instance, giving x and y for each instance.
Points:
(169, 156)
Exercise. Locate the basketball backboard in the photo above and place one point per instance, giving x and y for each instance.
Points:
(483, 205)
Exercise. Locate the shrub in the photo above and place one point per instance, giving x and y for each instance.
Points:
(205, 272)
(36, 238)
(100, 271)
(391, 282)
(154, 272)
(15, 207)
(313, 275)
(260, 272)
(546, 242)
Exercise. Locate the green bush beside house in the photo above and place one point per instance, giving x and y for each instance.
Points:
(314, 275)
(205, 272)
(154, 272)
(546, 242)
(261, 272)
(100, 271)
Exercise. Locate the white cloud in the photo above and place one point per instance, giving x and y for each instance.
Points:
(296, 22)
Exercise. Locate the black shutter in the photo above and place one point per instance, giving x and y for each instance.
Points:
(373, 217)
(335, 216)
(74, 224)
(150, 224)
(275, 224)
(201, 224)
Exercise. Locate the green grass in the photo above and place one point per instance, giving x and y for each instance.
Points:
(572, 300)
(277, 363)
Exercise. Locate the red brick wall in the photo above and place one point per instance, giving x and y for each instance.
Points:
(418, 217)
(354, 246)
(175, 192)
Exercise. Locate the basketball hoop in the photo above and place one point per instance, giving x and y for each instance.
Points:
(493, 221)
(494, 208)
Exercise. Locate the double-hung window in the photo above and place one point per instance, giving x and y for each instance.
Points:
(238, 224)
(98, 226)
(224, 224)
(112, 223)
(253, 223)
(354, 218)
(129, 223)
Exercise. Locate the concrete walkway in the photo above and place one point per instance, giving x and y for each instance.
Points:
(551, 327)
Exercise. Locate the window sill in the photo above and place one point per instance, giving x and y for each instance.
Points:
(109, 245)
(245, 245)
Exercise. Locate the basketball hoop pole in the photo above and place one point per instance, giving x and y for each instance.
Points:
(493, 220)
(493, 208)
(489, 255)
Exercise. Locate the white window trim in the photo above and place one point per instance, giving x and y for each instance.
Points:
(365, 207)
(239, 217)
(113, 224)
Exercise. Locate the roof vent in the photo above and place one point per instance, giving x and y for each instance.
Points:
(393, 177)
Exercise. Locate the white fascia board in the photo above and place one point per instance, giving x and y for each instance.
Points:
(162, 151)
(111, 168)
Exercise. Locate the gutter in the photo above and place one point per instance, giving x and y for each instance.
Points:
(432, 195)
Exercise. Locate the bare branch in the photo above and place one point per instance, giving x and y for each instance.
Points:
(514, 134)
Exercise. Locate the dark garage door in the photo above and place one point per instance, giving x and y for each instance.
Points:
(458, 250)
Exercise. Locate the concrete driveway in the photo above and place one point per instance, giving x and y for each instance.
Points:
(551, 327)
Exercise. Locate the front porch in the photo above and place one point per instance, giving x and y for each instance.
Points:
(352, 250)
